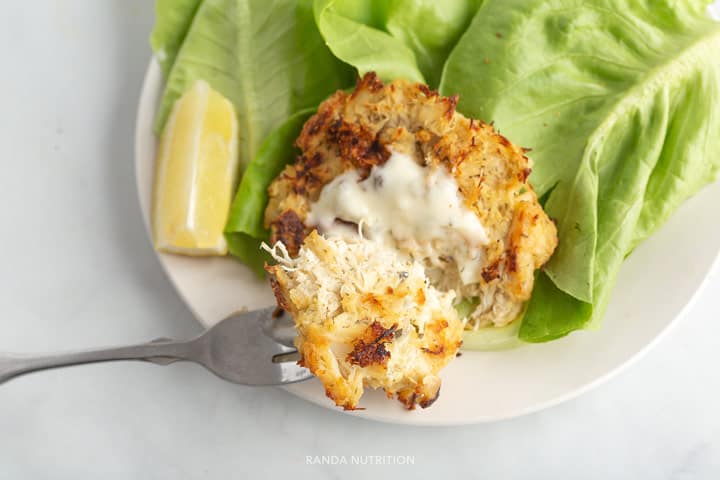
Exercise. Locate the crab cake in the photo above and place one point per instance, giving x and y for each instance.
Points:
(372, 159)
(366, 318)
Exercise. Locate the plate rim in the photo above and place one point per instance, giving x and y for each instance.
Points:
(147, 103)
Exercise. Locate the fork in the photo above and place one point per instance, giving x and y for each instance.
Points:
(249, 348)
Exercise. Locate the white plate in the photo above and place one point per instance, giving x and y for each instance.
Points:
(656, 284)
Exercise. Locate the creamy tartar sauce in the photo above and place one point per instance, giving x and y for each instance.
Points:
(412, 207)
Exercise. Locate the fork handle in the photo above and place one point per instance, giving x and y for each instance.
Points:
(161, 351)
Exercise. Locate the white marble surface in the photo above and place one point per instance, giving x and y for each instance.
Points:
(78, 271)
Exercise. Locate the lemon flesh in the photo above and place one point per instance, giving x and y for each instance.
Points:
(197, 167)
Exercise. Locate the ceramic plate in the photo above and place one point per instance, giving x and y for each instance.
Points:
(655, 286)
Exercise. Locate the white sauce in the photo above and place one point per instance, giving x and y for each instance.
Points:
(412, 207)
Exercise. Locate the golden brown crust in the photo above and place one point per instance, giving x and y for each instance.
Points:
(357, 130)
(369, 349)
(277, 288)
(424, 395)
(290, 229)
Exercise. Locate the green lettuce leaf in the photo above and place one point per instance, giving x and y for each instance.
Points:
(247, 250)
(245, 230)
(407, 39)
(172, 22)
(266, 56)
(618, 100)
(554, 312)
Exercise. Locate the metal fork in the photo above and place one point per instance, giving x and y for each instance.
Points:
(250, 348)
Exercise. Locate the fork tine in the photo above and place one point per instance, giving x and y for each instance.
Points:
(239, 350)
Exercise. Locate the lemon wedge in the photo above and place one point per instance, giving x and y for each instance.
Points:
(197, 166)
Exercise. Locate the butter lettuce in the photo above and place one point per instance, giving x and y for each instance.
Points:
(266, 56)
(172, 22)
(407, 39)
(618, 100)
